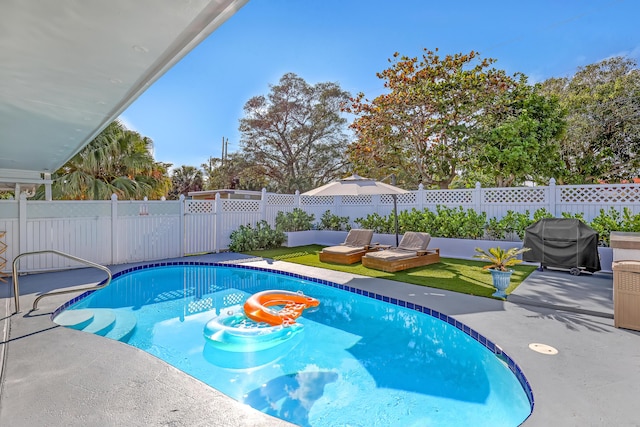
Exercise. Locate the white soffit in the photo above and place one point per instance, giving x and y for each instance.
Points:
(68, 68)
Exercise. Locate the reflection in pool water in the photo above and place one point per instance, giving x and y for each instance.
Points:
(353, 361)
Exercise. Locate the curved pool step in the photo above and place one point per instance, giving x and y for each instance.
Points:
(104, 320)
(125, 324)
(74, 319)
(110, 323)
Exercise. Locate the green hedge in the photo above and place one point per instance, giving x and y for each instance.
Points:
(262, 236)
(329, 221)
(444, 222)
(469, 224)
(298, 220)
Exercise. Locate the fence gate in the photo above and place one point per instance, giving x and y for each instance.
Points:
(199, 226)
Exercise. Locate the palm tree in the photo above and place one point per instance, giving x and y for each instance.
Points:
(184, 180)
(118, 161)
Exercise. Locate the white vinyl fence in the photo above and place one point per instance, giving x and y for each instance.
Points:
(117, 232)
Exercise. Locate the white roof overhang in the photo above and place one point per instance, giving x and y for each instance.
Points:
(68, 68)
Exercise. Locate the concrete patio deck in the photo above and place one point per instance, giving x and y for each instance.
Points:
(57, 376)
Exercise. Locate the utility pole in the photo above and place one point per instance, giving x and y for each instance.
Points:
(225, 146)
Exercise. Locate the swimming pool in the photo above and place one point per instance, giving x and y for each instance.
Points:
(358, 359)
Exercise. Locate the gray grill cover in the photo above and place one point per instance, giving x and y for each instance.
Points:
(562, 243)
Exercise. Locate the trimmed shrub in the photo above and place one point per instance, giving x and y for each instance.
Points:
(297, 220)
(329, 221)
(262, 236)
(377, 223)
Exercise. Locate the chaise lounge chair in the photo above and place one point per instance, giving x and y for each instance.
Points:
(351, 251)
(411, 252)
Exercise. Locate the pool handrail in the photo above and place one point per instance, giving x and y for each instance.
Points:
(16, 287)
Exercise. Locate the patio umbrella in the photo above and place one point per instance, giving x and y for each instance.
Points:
(358, 186)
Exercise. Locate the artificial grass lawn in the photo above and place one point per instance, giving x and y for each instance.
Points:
(452, 274)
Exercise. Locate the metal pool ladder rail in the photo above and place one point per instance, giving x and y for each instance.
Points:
(16, 287)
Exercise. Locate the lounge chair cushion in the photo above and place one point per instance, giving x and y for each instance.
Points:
(411, 243)
(358, 237)
(392, 254)
(343, 250)
(414, 241)
(357, 241)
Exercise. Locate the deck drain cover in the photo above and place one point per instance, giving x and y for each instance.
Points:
(543, 348)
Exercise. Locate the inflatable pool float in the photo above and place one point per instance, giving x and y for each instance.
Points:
(237, 333)
(261, 326)
(257, 306)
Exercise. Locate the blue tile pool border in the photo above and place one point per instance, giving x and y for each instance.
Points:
(488, 344)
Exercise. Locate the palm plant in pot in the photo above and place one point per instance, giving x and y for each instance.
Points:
(499, 262)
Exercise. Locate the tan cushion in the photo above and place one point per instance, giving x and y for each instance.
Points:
(414, 241)
(391, 254)
(358, 237)
(343, 250)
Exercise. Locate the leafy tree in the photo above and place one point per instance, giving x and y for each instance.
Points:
(519, 140)
(602, 141)
(118, 161)
(296, 134)
(236, 172)
(420, 129)
(184, 180)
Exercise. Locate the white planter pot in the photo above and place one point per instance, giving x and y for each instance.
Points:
(330, 237)
(466, 248)
(314, 237)
(299, 238)
(385, 239)
(449, 248)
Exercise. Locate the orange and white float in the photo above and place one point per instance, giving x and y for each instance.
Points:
(269, 319)
(257, 306)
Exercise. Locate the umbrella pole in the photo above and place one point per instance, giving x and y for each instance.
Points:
(395, 207)
(395, 212)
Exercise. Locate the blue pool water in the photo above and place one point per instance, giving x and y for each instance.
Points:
(352, 361)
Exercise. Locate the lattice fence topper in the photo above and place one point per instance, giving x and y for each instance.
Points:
(514, 195)
(241, 205)
(403, 199)
(199, 207)
(356, 200)
(448, 197)
(600, 194)
(316, 200)
(281, 199)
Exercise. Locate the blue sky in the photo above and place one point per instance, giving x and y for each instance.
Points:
(200, 100)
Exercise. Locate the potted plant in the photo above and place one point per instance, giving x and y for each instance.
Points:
(499, 262)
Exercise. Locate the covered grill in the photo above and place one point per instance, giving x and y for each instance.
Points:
(562, 243)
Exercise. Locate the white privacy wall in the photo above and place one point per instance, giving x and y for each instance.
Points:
(116, 232)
